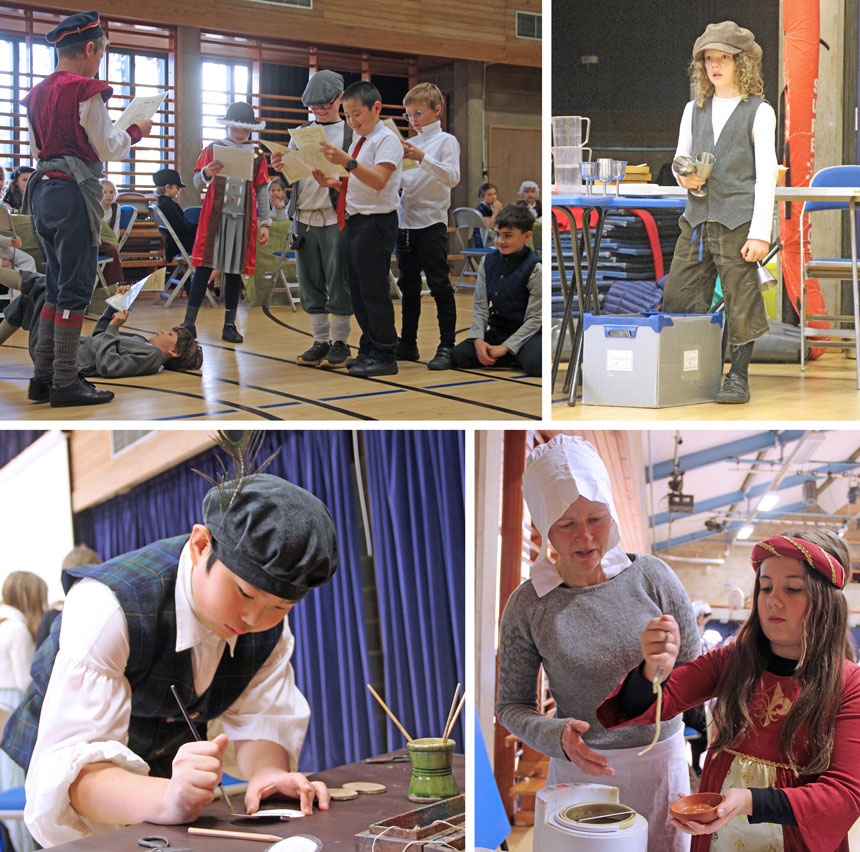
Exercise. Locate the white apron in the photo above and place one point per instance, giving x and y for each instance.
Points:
(648, 784)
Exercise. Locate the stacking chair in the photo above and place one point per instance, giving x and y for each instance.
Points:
(279, 279)
(842, 268)
(466, 219)
(127, 218)
(182, 271)
(101, 282)
(6, 224)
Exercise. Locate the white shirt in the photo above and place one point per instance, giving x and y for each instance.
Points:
(87, 707)
(381, 145)
(311, 195)
(764, 135)
(108, 142)
(426, 191)
(16, 649)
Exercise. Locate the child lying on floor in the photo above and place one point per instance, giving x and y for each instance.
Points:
(106, 352)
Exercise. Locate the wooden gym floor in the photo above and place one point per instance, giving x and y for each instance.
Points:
(259, 379)
(826, 390)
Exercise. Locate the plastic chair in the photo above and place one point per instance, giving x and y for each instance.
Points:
(279, 278)
(192, 214)
(127, 218)
(101, 283)
(6, 224)
(843, 269)
(466, 219)
(491, 822)
(182, 271)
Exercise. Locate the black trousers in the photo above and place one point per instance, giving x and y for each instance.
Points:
(425, 249)
(528, 358)
(369, 245)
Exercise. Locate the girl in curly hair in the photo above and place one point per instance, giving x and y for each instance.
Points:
(725, 232)
(785, 739)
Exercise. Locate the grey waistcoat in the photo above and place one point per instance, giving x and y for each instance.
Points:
(731, 184)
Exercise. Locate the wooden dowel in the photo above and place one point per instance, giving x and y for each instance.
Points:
(453, 703)
(237, 835)
(390, 714)
(456, 716)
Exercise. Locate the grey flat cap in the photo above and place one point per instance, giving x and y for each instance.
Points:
(322, 88)
(728, 37)
(275, 535)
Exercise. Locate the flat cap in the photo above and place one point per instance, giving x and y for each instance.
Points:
(82, 26)
(322, 88)
(165, 176)
(274, 535)
(728, 37)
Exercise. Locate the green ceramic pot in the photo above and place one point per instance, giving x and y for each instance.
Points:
(432, 780)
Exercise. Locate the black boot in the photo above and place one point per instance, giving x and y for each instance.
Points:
(736, 388)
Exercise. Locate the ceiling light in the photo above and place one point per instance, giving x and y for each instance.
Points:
(745, 532)
(768, 502)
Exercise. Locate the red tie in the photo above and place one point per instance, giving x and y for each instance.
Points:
(341, 199)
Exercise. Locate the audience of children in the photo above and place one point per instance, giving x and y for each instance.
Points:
(235, 216)
(167, 187)
(278, 198)
(367, 209)
(106, 352)
(422, 239)
(71, 134)
(489, 207)
(530, 197)
(319, 243)
(17, 185)
(506, 320)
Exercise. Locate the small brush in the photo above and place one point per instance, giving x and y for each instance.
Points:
(199, 739)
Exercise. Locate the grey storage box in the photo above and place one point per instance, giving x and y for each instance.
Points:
(651, 360)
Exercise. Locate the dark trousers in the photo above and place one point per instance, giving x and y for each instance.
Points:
(425, 249)
(529, 358)
(699, 258)
(61, 220)
(369, 246)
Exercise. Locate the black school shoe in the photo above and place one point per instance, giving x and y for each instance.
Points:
(39, 390)
(351, 362)
(337, 356)
(370, 366)
(735, 390)
(407, 352)
(192, 328)
(79, 392)
(443, 359)
(231, 334)
(313, 357)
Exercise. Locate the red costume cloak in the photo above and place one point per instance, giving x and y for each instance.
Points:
(825, 806)
(210, 214)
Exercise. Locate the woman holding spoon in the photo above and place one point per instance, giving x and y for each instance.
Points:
(727, 230)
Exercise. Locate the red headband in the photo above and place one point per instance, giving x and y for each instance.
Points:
(799, 548)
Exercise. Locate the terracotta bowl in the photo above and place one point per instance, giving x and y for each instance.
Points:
(700, 807)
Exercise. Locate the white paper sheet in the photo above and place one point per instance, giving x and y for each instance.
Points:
(123, 301)
(238, 162)
(307, 154)
(139, 109)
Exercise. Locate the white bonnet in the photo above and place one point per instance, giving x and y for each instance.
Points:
(526, 184)
(557, 473)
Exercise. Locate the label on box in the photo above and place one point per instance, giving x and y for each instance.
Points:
(619, 359)
(691, 359)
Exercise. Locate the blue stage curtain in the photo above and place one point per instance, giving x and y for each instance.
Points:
(15, 441)
(416, 498)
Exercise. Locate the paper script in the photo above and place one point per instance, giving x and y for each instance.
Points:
(139, 109)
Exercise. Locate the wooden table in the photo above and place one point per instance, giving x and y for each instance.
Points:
(336, 827)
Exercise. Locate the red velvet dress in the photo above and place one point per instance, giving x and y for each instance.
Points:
(210, 214)
(825, 806)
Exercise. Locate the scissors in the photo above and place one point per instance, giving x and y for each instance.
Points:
(159, 844)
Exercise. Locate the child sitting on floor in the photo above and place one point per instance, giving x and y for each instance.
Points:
(105, 352)
(506, 319)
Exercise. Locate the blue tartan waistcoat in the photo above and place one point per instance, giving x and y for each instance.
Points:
(143, 582)
(507, 277)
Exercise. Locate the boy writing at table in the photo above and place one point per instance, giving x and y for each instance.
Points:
(99, 730)
(367, 210)
(72, 135)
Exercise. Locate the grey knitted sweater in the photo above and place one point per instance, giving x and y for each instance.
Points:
(587, 639)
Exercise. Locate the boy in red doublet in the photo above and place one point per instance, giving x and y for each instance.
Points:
(71, 135)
